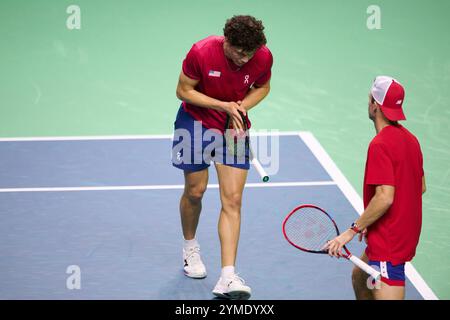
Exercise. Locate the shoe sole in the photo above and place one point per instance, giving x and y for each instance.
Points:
(234, 295)
(195, 276)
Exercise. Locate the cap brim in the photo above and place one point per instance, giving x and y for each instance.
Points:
(393, 114)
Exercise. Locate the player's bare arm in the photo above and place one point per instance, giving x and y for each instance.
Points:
(424, 187)
(255, 95)
(378, 205)
(186, 91)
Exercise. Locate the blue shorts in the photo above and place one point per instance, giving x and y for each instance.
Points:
(390, 274)
(194, 146)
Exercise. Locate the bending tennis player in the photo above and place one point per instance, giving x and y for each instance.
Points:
(393, 186)
(221, 75)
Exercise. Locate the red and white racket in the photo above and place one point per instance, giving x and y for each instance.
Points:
(309, 227)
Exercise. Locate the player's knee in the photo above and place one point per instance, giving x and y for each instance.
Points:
(195, 194)
(232, 202)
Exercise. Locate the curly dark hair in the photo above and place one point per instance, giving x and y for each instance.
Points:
(245, 32)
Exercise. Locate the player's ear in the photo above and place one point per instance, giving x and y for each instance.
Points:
(377, 106)
(373, 103)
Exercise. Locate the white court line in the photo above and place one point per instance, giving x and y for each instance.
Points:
(83, 138)
(133, 137)
(357, 203)
(165, 187)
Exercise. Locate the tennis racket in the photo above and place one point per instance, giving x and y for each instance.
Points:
(309, 227)
(238, 143)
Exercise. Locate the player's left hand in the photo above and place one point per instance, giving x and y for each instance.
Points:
(363, 235)
(336, 245)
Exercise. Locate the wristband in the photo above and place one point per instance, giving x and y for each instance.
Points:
(355, 228)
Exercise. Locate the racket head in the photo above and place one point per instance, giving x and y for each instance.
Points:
(308, 228)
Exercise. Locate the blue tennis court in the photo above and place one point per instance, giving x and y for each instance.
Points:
(109, 205)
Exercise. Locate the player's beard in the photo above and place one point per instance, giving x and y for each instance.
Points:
(371, 115)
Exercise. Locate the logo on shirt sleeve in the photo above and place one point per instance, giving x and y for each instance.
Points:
(215, 74)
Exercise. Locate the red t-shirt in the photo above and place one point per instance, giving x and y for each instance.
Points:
(219, 79)
(394, 158)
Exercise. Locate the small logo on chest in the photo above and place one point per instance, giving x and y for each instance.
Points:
(246, 78)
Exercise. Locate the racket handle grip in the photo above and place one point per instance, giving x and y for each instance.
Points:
(260, 169)
(365, 267)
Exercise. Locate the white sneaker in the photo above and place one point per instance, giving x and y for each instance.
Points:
(193, 265)
(233, 288)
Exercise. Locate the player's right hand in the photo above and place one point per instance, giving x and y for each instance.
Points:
(233, 108)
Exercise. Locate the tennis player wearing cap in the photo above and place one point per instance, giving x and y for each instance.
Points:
(221, 75)
(393, 186)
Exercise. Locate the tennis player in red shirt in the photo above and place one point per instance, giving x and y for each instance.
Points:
(221, 75)
(393, 186)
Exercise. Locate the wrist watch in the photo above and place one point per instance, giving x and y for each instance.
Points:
(355, 228)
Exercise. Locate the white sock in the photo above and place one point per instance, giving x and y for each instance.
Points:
(227, 272)
(188, 244)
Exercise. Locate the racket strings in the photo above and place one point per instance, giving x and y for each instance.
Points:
(236, 142)
(310, 229)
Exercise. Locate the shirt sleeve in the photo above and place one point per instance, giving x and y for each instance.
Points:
(191, 65)
(380, 169)
(267, 74)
